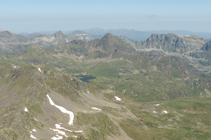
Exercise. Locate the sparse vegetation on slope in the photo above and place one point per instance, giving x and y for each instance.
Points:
(161, 96)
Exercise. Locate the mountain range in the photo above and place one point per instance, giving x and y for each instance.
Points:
(10, 41)
(142, 35)
(77, 86)
(135, 35)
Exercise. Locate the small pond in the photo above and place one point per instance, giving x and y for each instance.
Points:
(85, 78)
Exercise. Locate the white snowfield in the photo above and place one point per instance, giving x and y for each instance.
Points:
(26, 110)
(39, 69)
(14, 67)
(154, 111)
(57, 137)
(79, 131)
(33, 137)
(62, 109)
(117, 98)
(165, 112)
(60, 132)
(59, 127)
(95, 108)
(34, 130)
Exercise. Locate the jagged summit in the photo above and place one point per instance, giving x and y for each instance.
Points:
(110, 38)
(6, 33)
(111, 43)
(173, 42)
(108, 34)
(58, 34)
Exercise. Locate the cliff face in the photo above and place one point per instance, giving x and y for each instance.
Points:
(172, 42)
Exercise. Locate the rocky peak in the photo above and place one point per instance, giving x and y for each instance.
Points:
(173, 42)
(6, 34)
(112, 43)
(58, 33)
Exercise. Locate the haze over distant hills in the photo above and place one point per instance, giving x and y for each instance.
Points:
(142, 35)
(130, 33)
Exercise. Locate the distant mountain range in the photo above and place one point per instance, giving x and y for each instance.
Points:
(194, 48)
(142, 35)
(135, 35)
(10, 41)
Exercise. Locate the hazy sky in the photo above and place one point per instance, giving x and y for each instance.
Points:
(65, 15)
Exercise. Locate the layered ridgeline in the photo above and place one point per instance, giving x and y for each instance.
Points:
(13, 42)
(127, 93)
(190, 48)
(142, 76)
(10, 41)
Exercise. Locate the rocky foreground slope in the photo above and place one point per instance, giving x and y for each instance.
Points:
(38, 103)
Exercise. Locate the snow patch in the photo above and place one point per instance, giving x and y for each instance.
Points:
(14, 67)
(60, 132)
(36, 119)
(80, 131)
(95, 108)
(87, 91)
(154, 111)
(165, 112)
(59, 127)
(117, 98)
(26, 110)
(39, 69)
(33, 137)
(157, 105)
(62, 109)
(75, 136)
(57, 137)
(34, 130)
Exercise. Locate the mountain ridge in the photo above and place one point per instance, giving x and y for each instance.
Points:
(106, 89)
